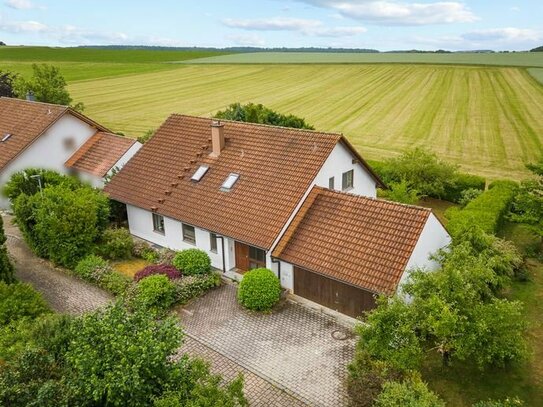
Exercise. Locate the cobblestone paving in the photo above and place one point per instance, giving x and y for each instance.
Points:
(293, 347)
(64, 293)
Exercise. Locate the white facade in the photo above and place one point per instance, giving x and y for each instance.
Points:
(434, 236)
(51, 150)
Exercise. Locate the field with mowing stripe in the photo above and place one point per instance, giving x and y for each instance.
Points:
(488, 119)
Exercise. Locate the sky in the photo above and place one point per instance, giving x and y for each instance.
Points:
(379, 24)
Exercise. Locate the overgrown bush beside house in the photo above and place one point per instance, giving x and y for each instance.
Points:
(6, 268)
(162, 269)
(487, 211)
(190, 287)
(61, 224)
(115, 244)
(412, 392)
(192, 261)
(259, 290)
(155, 293)
(98, 271)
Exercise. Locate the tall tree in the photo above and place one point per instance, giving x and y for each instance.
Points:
(7, 83)
(6, 268)
(258, 113)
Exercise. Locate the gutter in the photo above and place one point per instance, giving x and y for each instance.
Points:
(222, 251)
(278, 262)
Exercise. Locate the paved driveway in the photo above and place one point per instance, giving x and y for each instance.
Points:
(294, 347)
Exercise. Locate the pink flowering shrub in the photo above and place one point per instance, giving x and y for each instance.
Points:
(169, 271)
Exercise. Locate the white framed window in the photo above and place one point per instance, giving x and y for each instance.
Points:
(189, 234)
(347, 180)
(213, 242)
(158, 223)
(229, 182)
(331, 183)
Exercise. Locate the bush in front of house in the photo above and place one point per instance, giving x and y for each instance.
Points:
(191, 287)
(192, 261)
(98, 271)
(411, 392)
(19, 300)
(164, 269)
(115, 244)
(155, 293)
(6, 268)
(114, 282)
(259, 290)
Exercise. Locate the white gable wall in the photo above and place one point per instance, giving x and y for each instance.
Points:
(50, 150)
(433, 237)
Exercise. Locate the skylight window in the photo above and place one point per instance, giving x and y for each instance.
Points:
(6, 137)
(229, 182)
(200, 172)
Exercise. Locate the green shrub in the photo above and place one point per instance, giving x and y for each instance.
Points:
(468, 195)
(18, 301)
(401, 192)
(410, 393)
(487, 211)
(115, 283)
(155, 292)
(192, 261)
(22, 183)
(115, 244)
(6, 268)
(63, 225)
(508, 402)
(461, 183)
(366, 377)
(191, 287)
(259, 290)
(92, 267)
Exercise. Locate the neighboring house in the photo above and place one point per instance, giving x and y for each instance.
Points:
(55, 137)
(253, 195)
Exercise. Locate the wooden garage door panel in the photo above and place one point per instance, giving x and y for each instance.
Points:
(331, 293)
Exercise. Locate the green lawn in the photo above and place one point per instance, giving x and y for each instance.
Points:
(526, 59)
(487, 119)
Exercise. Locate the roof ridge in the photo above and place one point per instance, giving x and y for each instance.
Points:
(370, 198)
(330, 133)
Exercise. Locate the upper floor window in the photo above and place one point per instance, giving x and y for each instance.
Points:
(158, 223)
(331, 183)
(189, 234)
(347, 180)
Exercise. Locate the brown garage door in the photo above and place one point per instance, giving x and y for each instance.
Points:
(331, 293)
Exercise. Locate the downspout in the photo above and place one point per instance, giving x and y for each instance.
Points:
(222, 251)
(278, 262)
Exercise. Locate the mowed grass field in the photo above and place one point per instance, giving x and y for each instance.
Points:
(487, 119)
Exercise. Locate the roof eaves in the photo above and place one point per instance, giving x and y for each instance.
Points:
(363, 162)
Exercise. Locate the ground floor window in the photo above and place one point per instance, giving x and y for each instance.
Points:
(189, 234)
(158, 223)
(213, 242)
(257, 258)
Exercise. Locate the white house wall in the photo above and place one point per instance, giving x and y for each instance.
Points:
(140, 222)
(433, 237)
(50, 150)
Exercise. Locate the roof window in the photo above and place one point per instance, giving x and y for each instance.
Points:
(6, 137)
(200, 172)
(229, 182)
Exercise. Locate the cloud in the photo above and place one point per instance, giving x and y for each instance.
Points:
(508, 34)
(22, 4)
(304, 26)
(392, 12)
(23, 26)
(246, 40)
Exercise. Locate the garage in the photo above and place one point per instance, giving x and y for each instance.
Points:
(333, 294)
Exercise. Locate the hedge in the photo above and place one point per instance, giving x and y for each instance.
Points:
(190, 287)
(463, 182)
(487, 211)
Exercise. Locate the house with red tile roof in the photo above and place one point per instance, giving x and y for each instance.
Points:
(301, 203)
(42, 135)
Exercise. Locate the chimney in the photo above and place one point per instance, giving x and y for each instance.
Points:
(217, 137)
(30, 96)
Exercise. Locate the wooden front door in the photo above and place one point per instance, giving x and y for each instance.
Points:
(242, 256)
(341, 297)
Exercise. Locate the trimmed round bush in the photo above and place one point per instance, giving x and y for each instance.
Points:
(155, 292)
(192, 261)
(259, 290)
(116, 244)
(92, 267)
(169, 271)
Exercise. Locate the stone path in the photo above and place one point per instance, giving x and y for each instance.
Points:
(301, 351)
(70, 295)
